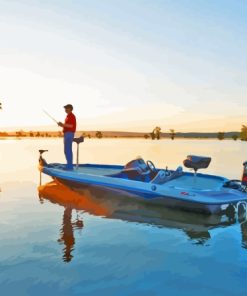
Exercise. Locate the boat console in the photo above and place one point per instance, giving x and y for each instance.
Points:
(137, 164)
(164, 176)
(139, 170)
(197, 162)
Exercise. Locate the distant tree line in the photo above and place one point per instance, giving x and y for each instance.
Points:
(156, 134)
(99, 135)
(38, 134)
(243, 134)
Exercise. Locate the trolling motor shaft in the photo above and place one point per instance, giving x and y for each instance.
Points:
(42, 163)
(78, 141)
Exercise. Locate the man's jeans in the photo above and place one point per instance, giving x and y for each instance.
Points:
(68, 141)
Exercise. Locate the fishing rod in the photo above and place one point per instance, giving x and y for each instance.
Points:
(52, 118)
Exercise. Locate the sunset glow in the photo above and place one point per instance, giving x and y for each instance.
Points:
(129, 65)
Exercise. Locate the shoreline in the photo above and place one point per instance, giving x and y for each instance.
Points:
(121, 138)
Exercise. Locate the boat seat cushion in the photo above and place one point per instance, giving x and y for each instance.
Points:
(197, 162)
(78, 140)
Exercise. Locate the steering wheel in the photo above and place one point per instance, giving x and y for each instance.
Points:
(151, 166)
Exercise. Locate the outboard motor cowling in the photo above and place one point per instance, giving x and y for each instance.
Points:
(244, 178)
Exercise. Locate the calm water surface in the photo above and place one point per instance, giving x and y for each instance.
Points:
(54, 241)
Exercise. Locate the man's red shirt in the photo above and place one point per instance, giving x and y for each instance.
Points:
(70, 119)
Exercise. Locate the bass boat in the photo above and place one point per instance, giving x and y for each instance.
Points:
(142, 181)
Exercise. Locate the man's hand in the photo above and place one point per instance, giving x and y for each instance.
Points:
(60, 124)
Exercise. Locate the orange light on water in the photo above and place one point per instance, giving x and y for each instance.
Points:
(64, 196)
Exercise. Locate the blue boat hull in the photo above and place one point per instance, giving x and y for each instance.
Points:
(205, 193)
(155, 199)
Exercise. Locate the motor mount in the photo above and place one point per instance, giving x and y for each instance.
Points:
(233, 184)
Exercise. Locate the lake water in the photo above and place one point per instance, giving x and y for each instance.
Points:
(54, 241)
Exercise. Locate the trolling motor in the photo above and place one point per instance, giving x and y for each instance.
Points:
(42, 161)
(78, 141)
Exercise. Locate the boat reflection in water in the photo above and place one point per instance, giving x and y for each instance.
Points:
(104, 203)
(70, 200)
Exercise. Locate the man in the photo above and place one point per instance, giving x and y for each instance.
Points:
(69, 128)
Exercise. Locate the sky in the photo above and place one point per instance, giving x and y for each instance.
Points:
(124, 65)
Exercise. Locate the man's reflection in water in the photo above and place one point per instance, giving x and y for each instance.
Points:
(67, 233)
(70, 200)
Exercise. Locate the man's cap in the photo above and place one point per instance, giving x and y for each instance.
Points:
(68, 106)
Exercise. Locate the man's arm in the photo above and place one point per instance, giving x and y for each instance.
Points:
(65, 125)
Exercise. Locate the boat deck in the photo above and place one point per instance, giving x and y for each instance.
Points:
(186, 182)
(189, 182)
(97, 171)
